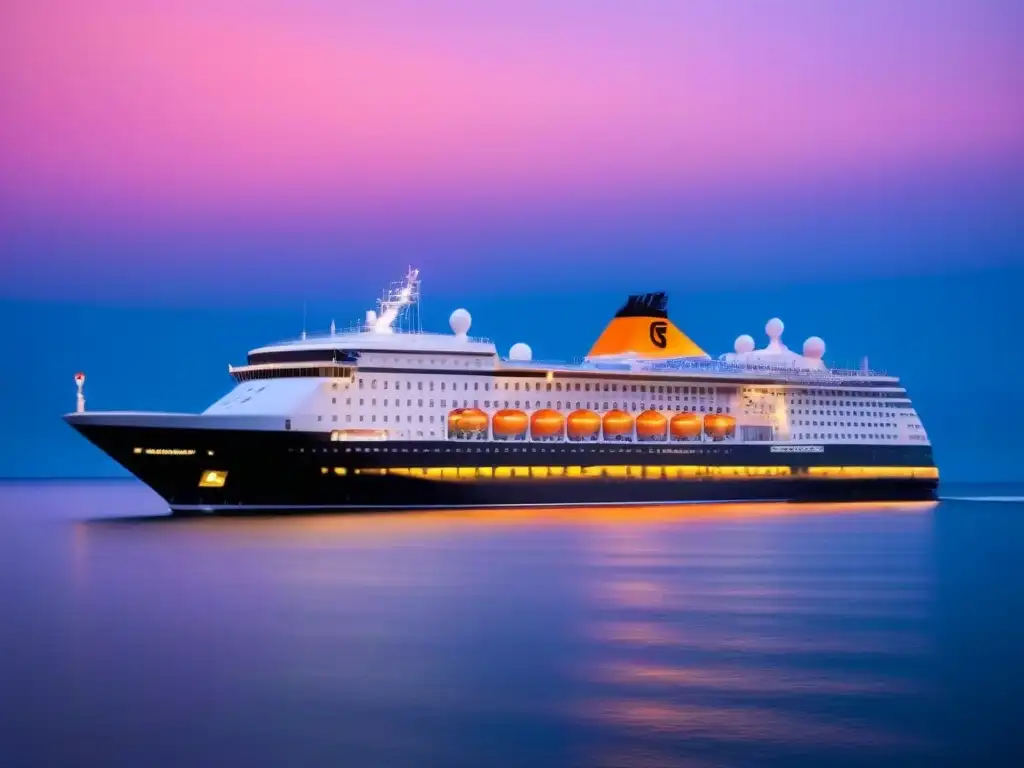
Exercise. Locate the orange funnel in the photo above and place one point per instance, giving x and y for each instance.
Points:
(642, 328)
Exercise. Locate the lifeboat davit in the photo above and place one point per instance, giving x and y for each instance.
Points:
(685, 426)
(509, 424)
(546, 424)
(651, 425)
(617, 425)
(719, 427)
(583, 425)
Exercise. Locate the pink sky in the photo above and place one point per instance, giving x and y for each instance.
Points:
(271, 106)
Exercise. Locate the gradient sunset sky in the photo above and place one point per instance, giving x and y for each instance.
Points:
(864, 160)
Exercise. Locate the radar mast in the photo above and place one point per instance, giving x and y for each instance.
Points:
(398, 309)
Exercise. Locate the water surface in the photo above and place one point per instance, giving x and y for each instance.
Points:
(742, 635)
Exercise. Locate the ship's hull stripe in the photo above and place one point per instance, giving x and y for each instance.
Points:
(533, 505)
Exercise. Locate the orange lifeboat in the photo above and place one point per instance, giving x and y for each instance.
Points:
(651, 425)
(472, 421)
(685, 426)
(719, 427)
(583, 425)
(509, 424)
(453, 421)
(546, 424)
(618, 425)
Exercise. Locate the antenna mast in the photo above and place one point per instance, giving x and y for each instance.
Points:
(400, 304)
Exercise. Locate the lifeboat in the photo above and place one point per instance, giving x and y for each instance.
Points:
(509, 424)
(685, 426)
(472, 421)
(583, 425)
(546, 424)
(719, 427)
(618, 425)
(651, 425)
(453, 421)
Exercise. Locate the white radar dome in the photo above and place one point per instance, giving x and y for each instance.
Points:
(814, 347)
(520, 352)
(774, 328)
(460, 322)
(744, 344)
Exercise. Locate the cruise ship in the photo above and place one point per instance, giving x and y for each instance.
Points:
(386, 416)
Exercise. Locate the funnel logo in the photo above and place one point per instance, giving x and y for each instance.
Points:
(658, 334)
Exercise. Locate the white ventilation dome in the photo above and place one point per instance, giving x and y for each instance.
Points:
(814, 348)
(744, 344)
(774, 329)
(520, 352)
(460, 322)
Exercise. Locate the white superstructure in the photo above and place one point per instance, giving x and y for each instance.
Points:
(380, 381)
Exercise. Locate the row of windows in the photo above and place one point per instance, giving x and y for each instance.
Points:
(849, 393)
(536, 405)
(814, 423)
(652, 472)
(623, 471)
(556, 387)
(800, 398)
(843, 436)
(557, 404)
(830, 412)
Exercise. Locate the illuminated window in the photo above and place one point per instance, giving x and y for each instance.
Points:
(213, 478)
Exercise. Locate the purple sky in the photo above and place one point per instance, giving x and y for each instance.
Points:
(159, 146)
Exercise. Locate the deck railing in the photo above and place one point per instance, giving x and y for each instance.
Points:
(702, 366)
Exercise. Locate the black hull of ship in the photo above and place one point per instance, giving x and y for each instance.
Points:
(282, 471)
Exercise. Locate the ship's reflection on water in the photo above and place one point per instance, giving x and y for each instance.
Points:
(773, 643)
(690, 636)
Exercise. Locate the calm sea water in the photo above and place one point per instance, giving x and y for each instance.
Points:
(698, 636)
